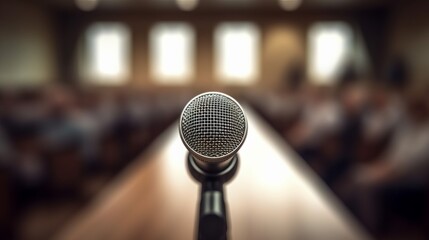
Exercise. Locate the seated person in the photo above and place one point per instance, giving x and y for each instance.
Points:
(5, 149)
(321, 117)
(338, 150)
(379, 122)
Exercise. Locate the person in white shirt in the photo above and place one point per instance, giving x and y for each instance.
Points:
(382, 116)
(321, 116)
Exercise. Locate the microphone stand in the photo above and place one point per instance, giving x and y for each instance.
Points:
(212, 218)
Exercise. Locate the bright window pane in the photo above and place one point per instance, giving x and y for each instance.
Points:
(237, 53)
(172, 53)
(329, 49)
(108, 46)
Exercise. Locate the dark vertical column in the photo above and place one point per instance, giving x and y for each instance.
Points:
(66, 33)
(373, 25)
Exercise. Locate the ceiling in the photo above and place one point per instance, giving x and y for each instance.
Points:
(218, 4)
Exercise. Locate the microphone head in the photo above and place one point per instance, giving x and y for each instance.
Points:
(213, 127)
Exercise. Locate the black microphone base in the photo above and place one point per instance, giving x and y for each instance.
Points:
(212, 221)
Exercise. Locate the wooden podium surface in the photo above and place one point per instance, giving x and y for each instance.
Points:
(274, 195)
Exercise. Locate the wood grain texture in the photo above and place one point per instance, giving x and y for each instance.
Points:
(274, 195)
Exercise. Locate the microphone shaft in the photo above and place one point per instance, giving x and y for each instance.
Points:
(212, 220)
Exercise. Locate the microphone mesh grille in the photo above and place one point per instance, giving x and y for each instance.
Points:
(213, 125)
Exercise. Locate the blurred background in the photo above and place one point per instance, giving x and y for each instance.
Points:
(86, 85)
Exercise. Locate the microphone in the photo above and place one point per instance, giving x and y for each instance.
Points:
(212, 127)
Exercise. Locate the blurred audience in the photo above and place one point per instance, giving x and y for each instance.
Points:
(55, 141)
(399, 178)
(369, 141)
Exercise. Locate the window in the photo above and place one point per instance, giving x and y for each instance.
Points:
(329, 49)
(172, 53)
(108, 53)
(237, 53)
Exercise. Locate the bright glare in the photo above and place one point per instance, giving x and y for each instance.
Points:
(172, 52)
(187, 5)
(237, 53)
(330, 45)
(109, 45)
(290, 5)
(86, 5)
